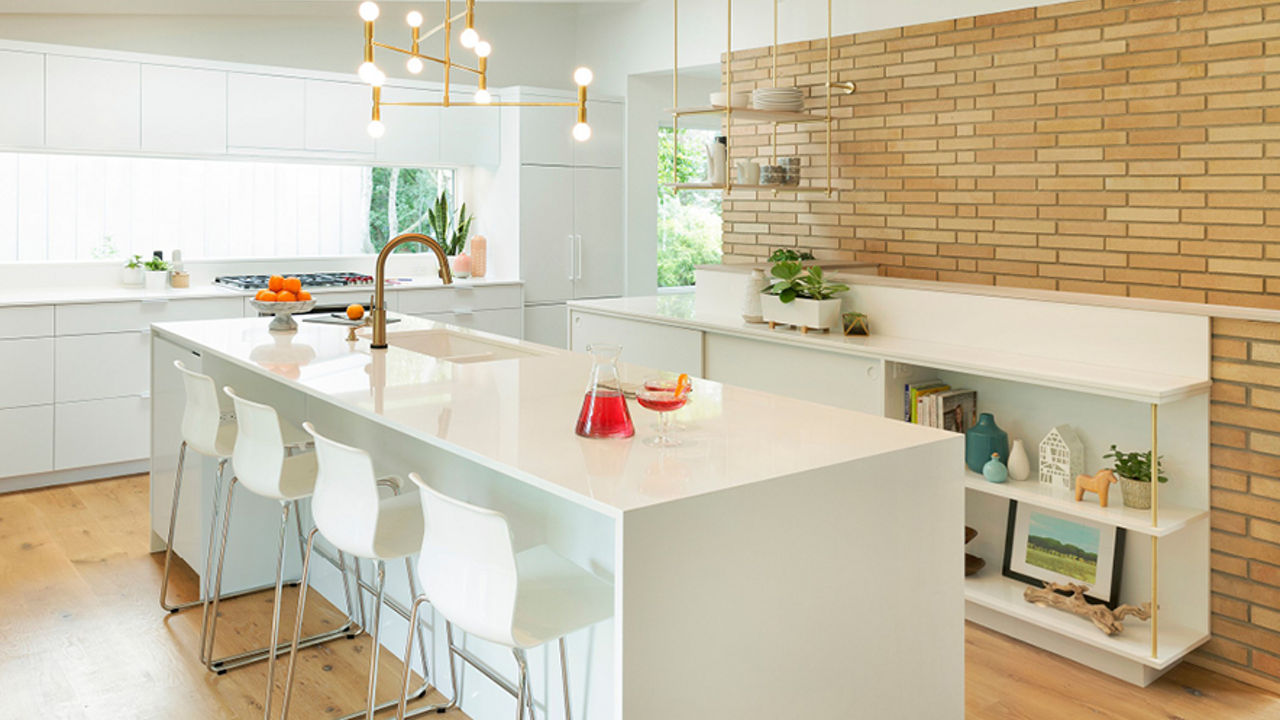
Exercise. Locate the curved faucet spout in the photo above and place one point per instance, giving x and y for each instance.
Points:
(380, 277)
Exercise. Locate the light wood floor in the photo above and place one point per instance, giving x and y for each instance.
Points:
(81, 636)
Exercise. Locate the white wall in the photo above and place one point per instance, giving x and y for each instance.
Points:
(533, 44)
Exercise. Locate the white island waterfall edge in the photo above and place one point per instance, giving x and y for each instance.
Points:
(789, 555)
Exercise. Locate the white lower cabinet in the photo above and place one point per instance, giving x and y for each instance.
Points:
(661, 347)
(547, 325)
(507, 321)
(80, 360)
(28, 372)
(101, 432)
(845, 381)
(26, 440)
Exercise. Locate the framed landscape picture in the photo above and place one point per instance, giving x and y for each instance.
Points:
(1043, 545)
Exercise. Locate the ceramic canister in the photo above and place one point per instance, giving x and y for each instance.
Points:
(983, 439)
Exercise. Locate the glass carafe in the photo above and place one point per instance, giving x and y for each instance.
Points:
(604, 409)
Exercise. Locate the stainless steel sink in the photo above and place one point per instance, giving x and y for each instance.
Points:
(457, 347)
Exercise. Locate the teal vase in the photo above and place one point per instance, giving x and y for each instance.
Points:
(983, 439)
(995, 471)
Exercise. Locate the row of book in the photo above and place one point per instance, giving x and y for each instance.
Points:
(934, 403)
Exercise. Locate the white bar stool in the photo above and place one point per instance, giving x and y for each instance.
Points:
(352, 516)
(473, 576)
(262, 463)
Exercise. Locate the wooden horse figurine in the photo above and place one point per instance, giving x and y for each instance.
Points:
(1100, 483)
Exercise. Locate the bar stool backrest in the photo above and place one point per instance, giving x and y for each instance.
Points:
(468, 565)
(259, 454)
(345, 504)
(201, 415)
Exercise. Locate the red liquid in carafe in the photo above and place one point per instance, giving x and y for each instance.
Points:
(605, 415)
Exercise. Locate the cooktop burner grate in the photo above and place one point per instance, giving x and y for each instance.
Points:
(309, 280)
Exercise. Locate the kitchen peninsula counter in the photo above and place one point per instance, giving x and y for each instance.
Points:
(788, 554)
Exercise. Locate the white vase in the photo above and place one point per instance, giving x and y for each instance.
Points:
(131, 277)
(751, 296)
(155, 280)
(1019, 464)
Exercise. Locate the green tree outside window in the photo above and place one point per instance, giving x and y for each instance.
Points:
(689, 226)
(415, 191)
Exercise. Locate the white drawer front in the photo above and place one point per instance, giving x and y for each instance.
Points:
(454, 299)
(100, 432)
(91, 367)
(124, 316)
(20, 322)
(27, 377)
(508, 322)
(26, 440)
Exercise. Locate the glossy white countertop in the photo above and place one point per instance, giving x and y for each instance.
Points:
(679, 309)
(121, 293)
(517, 416)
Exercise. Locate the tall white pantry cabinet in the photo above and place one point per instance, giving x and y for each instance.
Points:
(570, 216)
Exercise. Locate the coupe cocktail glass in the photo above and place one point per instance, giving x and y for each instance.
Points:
(663, 401)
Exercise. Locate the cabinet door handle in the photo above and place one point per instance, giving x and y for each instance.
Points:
(573, 248)
(578, 244)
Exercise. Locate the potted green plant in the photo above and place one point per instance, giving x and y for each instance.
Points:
(452, 232)
(801, 297)
(131, 273)
(789, 255)
(155, 274)
(1134, 471)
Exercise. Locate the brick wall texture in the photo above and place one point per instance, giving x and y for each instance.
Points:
(1126, 147)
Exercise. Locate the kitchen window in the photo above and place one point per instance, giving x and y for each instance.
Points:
(689, 230)
(73, 208)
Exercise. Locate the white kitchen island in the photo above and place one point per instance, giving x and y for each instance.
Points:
(789, 560)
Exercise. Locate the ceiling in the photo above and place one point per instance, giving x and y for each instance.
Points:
(234, 7)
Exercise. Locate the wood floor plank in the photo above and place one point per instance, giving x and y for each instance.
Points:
(82, 636)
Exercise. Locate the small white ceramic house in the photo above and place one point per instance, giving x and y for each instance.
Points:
(1061, 456)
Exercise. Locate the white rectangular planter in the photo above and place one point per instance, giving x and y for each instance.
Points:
(804, 313)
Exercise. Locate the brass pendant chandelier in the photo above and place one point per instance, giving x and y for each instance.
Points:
(468, 38)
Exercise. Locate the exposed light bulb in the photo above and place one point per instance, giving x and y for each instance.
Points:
(414, 64)
(414, 18)
(483, 48)
(582, 132)
(483, 97)
(376, 129)
(583, 76)
(369, 11)
(469, 38)
(368, 72)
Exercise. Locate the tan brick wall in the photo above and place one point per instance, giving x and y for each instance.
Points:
(1127, 147)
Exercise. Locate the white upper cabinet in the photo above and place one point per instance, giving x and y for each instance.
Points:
(92, 104)
(546, 132)
(604, 149)
(337, 117)
(471, 135)
(22, 82)
(265, 111)
(413, 133)
(184, 110)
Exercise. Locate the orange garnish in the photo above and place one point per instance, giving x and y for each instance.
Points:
(683, 384)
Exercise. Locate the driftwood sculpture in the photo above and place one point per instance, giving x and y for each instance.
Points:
(1100, 483)
(1108, 621)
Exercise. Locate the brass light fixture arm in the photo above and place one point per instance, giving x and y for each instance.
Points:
(441, 61)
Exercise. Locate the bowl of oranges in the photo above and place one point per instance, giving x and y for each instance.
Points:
(283, 297)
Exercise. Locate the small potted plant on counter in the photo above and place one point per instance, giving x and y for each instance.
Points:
(452, 233)
(1134, 471)
(131, 273)
(802, 298)
(156, 274)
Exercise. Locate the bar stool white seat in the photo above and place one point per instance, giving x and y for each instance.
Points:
(350, 513)
(263, 465)
(472, 575)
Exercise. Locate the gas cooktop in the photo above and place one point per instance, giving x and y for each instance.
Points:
(309, 280)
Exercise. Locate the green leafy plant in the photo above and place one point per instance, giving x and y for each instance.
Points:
(450, 231)
(134, 262)
(789, 255)
(155, 264)
(793, 281)
(1134, 465)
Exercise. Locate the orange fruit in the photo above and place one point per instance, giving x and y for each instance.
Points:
(265, 296)
(293, 285)
(286, 296)
(303, 296)
(275, 283)
(355, 312)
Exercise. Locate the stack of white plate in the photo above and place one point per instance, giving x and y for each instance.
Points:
(781, 99)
